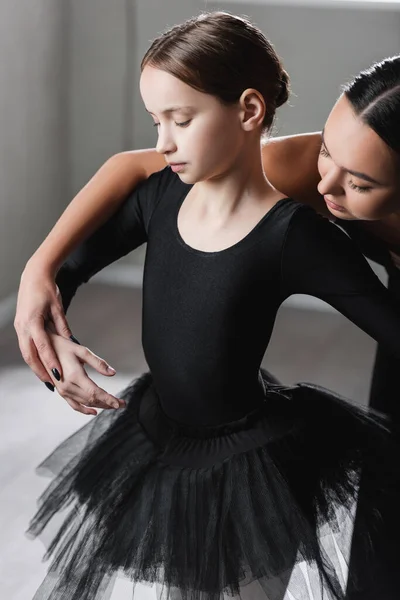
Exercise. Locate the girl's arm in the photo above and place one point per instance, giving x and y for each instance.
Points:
(319, 259)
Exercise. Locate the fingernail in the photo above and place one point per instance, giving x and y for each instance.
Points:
(56, 374)
(111, 370)
(49, 386)
(73, 338)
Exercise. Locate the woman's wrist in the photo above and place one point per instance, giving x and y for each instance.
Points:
(39, 266)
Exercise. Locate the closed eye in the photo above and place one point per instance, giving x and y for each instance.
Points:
(359, 188)
(184, 124)
(324, 152)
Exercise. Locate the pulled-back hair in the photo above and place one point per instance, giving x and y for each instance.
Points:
(375, 97)
(222, 54)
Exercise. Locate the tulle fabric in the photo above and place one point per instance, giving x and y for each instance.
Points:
(267, 500)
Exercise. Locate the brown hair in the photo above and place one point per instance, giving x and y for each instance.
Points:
(222, 54)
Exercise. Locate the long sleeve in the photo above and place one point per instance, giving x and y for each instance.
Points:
(318, 259)
(126, 230)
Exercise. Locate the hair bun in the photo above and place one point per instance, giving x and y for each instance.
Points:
(282, 95)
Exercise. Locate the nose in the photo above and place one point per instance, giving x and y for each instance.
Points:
(165, 143)
(331, 183)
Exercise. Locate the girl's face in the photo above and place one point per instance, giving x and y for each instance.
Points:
(195, 130)
(360, 174)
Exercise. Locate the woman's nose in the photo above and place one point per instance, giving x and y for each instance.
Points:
(330, 183)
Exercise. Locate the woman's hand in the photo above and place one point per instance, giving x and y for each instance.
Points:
(39, 303)
(76, 387)
(39, 313)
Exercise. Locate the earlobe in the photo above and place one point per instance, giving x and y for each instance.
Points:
(252, 109)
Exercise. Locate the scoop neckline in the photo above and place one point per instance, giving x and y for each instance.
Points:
(231, 248)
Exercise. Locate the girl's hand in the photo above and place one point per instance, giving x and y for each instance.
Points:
(81, 393)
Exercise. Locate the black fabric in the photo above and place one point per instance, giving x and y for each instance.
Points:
(380, 579)
(208, 316)
(214, 475)
(206, 510)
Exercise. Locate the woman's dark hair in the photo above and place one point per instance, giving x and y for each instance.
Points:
(375, 97)
(222, 54)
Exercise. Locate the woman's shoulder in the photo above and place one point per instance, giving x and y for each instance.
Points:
(290, 164)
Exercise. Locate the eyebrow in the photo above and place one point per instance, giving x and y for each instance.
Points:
(355, 173)
(172, 109)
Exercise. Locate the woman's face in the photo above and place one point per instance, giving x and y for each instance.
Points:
(360, 174)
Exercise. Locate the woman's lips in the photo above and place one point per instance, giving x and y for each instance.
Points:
(334, 206)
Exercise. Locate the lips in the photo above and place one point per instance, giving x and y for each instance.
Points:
(334, 206)
(175, 167)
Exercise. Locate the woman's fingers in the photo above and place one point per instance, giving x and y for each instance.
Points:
(30, 355)
(60, 322)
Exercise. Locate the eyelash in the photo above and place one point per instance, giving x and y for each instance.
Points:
(361, 189)
(184, 124)
(324, 152)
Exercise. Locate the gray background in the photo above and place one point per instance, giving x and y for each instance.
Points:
(69, 94)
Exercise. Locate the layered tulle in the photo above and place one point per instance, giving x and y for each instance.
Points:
(205, 511)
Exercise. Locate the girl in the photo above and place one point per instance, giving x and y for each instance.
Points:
(213, 476)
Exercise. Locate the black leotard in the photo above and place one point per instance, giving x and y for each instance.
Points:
(208, 316)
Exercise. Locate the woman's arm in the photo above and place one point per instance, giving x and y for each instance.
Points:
(93, 205)
(41, 301)
(290, 164)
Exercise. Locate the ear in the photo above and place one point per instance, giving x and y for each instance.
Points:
(252, 109)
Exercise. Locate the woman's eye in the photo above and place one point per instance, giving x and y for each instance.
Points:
(359, 188)
(324, 152)
(184, 124)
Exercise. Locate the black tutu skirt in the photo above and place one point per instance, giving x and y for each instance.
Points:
(203, 512)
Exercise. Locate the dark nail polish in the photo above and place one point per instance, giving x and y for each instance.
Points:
(73, 339)
(56, 374)
(49, 386)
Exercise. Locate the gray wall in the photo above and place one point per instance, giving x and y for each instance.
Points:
(69, 93)
(34, 169)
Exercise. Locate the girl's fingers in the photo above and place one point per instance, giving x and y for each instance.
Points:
(85, 391)
(80, 408)
(95, 361)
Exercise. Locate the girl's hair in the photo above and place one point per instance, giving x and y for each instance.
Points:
(222, 54)
(375, 96)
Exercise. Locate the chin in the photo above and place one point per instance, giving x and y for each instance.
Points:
(345, 216)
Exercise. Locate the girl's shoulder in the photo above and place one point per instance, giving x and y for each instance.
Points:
(151, 191)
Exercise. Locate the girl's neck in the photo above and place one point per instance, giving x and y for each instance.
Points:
(243, 184)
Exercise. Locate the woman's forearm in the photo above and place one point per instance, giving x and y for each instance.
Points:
(94, 205)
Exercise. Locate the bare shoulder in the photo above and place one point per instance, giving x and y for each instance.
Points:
(290, 164)
(144, 162)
